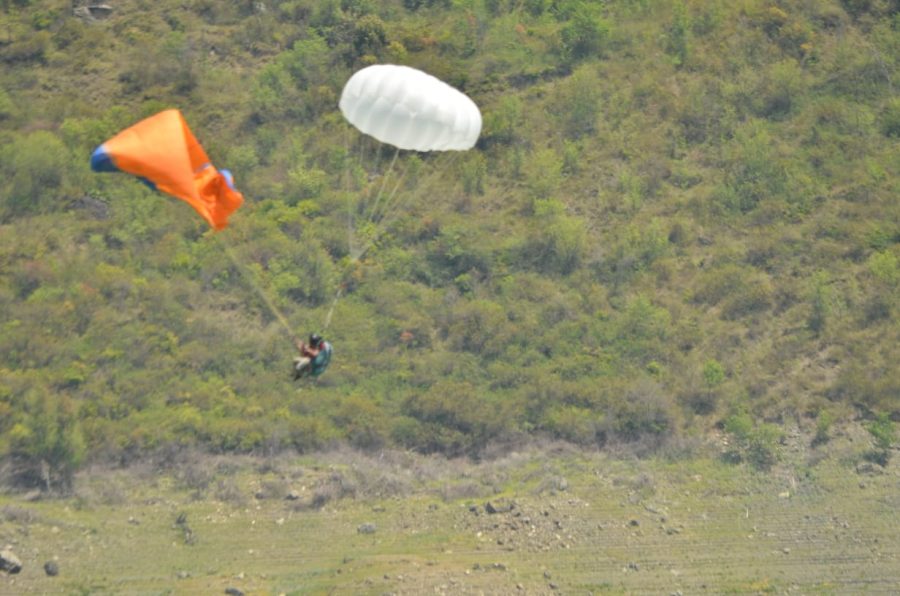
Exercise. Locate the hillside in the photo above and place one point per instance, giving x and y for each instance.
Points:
(680, 216)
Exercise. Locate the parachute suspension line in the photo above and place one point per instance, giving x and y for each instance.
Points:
(384, 178)
(347, 189)
(334, 302)
(248, 277)
(392, 210)
(389, 203)
(378, 219)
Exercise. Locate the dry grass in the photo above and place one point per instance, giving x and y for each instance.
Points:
(580, 521)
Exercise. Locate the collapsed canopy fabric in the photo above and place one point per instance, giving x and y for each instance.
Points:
(410, 109)
(163, 151)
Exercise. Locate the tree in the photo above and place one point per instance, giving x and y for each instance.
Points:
(585, 33)
(47, 445)
(369, 36)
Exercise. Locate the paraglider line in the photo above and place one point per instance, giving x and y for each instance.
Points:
(248, 277)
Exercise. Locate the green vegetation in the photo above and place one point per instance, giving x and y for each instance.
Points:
(681, 216)
(882, 431)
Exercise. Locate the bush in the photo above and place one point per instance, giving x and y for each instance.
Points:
(882, 431)
(558, 241)
(678, 34)
(740, 291)
(645, 416)
(577, 106)
(502, 122)
(756, 444)
(577, 425)
(543, 174)
(47, 446)
(824, 422)
(890, 118)
(754, 297)
(363, 422)
(474, 172)
(7, 107)
(32, 48)
(369, 36)
(479, 327)
(455, 419)
(752, 171)
(34, 170)
(586, 32)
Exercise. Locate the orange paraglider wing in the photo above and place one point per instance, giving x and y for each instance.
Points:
(163, 152)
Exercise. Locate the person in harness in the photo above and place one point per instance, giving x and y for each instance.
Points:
(314, 357)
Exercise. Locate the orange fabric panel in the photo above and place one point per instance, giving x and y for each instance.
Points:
(163, 150)
(216, 196)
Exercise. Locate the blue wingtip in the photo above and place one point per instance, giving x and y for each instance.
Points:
(228, 178)
(101, 161)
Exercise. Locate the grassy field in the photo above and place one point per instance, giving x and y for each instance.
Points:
(565, 522)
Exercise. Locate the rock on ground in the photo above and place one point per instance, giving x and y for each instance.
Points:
(9, 562)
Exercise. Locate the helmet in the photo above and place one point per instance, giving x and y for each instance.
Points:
(315, 339)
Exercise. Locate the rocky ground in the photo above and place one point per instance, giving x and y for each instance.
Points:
(547, 520)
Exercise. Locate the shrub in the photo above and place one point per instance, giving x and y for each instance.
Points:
(585, 33)
(305, 183)
(34, 169)
(479, 327)
(273, 92)
(455, 251)
(474, 172)
(740, 291)
(882, 431)
(577, 105)
(455, 419)
(363, 422)
(821, 304)
(502, 122)
(572, 423)
(369, 36)
(543, 173)
(713, 373)
(756, 444)
(779, 90)
(558, 241)
(32, 48)
(824, 422)
(890, 118)
(645, 416)
(7, 107)
(678, 34)
(47, 446)
(753, 297)
(752, 171)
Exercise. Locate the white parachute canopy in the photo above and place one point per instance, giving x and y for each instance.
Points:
(410, 109)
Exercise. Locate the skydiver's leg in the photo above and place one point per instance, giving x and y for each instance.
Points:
(301, 366)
